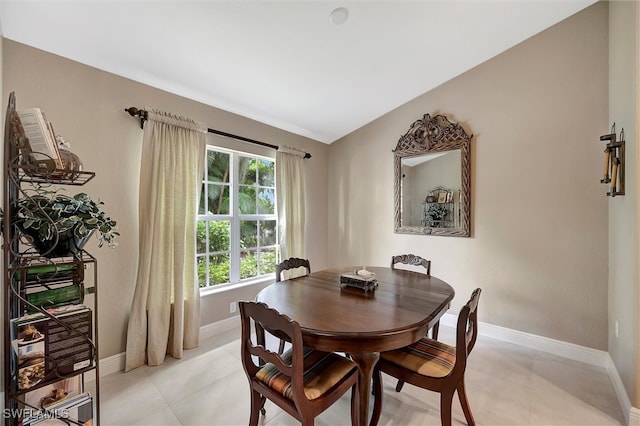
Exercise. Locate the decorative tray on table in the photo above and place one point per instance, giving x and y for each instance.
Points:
(361, 279)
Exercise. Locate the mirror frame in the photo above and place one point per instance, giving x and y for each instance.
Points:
(430, 135)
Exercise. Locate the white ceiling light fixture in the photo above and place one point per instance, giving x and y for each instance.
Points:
(339, 16)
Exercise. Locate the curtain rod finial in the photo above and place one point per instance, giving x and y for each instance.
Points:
(140, 113)
(133, 111)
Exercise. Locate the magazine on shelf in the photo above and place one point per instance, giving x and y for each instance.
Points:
(80, 410)
(45, 349)
(56, 392)
(42, 140)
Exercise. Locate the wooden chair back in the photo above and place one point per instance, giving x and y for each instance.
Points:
(292, 263)
(255, 354)
(290, 366)
(467, 330)
(446, 385)
(411, 259)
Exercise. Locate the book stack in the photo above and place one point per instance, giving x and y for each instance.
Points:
(42, 146)
(52, 285)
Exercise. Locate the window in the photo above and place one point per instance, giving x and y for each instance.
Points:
(237, 224)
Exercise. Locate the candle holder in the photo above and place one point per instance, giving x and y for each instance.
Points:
(614, 162)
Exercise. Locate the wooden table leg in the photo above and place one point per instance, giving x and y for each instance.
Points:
(366, 361)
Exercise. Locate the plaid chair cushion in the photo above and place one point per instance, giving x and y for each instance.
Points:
(322, 370)
(427, 357)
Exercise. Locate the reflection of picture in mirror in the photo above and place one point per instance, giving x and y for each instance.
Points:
(442, 197)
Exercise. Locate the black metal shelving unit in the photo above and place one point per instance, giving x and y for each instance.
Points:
(48, 291)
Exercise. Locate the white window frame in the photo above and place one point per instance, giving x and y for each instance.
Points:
(235, 218)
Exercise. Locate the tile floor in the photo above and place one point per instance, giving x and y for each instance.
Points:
(506, 385)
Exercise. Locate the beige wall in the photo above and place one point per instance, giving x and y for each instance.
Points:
(87, 107)
(624, 293)
(539, 243)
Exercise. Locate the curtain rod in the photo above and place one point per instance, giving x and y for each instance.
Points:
(143, 116)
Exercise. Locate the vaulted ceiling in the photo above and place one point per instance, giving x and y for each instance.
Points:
(284, 63)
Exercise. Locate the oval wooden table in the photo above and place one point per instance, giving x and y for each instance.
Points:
(401, 310)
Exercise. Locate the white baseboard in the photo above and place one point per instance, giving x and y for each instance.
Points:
(116, 363)
(563, 349)
(634, 417)
(632, 414)
(112, 364)
(595, 357)
(545, 344)
(227, 324)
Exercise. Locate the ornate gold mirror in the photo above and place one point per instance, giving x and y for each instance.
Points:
(432, 189)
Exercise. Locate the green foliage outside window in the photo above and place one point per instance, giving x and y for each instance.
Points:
(249, 263)
(255, 180)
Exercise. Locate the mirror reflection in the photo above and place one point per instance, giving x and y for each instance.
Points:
(432, 179)
(431, 190)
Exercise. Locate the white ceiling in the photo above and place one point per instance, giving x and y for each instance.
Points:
(282, 62)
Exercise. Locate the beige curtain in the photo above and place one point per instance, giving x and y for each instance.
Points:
(290, 195)
(165, 312)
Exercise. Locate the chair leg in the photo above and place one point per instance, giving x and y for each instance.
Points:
(355, 393)
(399, 385)
(434, 330)
(256, 405)
(446, 399)
(263, 400)
(462, 395)
(377, 397)
(281, 347)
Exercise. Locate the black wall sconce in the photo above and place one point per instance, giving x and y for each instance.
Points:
(614, 162)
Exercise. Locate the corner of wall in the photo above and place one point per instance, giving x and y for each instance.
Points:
(624, 242)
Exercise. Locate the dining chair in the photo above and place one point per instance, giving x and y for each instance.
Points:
(302, 381)
(292, 263)
(433, 365)
(413, 260)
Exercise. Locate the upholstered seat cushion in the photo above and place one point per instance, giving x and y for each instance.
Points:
(427, 357)
(322, 371)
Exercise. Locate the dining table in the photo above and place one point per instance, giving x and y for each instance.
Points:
(398, 311)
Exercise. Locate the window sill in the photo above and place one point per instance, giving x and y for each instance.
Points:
(258, 281)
